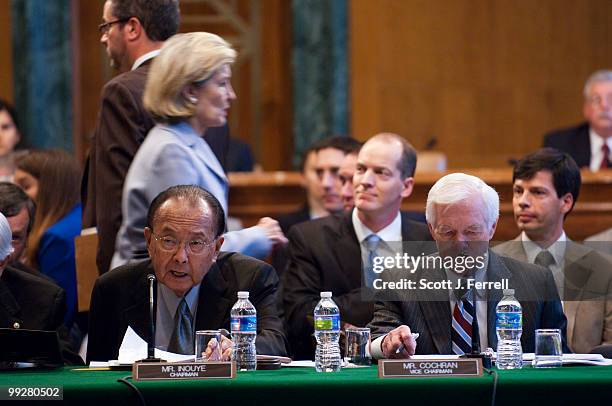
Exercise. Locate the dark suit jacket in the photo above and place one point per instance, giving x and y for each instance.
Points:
(326, 256)
(432, 318)
(30, 302)
(574, 141)
(34, 303)
(286, 221)
(120, 299)
(122, 125)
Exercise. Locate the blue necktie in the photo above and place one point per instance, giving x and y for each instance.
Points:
(182, 339)
(371, 243)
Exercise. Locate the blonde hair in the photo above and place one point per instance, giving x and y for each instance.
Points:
(184, 59)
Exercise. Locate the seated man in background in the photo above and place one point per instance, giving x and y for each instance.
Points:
(196, 284)
(589, 143)
(546, 187)
(320, 176)
(19, 210)
(28, 301)
(462, 213)
(332, 253)
(320, 166)
(345, 173)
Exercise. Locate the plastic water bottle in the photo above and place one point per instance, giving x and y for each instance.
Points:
(327, 333)
(509, 327)
(244, 333)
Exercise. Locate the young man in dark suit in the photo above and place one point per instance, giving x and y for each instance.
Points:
(331, 254)
(546, 187)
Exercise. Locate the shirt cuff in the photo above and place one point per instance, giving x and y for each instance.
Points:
(376, 348)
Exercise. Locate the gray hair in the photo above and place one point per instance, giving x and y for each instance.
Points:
(602, 75)
(457, 187)
(6, 238)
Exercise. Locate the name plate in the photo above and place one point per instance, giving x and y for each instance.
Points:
(157, 371)
(429, 368)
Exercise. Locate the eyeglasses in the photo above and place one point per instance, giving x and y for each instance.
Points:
(171, 244)
(104, 27)
(598, 100)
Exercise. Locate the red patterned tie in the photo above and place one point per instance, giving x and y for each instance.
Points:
(606, 153)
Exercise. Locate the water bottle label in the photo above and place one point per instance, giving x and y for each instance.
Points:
(244, 324)
(511, 320)
(331, 323)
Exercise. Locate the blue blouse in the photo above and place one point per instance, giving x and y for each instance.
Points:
(56, 257)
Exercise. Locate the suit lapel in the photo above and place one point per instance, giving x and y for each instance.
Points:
(577, 272)
(9, 308)
(582, 147)
(206, 154)
(436, 314)
(137, 315)
(348, 250)
(213, 304)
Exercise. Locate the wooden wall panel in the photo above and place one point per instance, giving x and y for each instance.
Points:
(6, 53)
(485, 77)
(91, 70)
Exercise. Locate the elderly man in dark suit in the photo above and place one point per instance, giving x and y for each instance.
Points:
(197, 285)
(462, 213)
(332, 253)
(589, 143)
(133, 32)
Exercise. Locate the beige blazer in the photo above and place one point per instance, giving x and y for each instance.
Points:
(587, 299)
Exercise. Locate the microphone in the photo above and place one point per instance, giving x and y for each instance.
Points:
(152, 313)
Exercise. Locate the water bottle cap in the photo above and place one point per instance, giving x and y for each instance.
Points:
(243, 295)
(326, 294)
(508, 292)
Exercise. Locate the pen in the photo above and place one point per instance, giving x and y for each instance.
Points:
(401, 347)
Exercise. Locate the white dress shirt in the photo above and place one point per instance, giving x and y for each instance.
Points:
(596, 152)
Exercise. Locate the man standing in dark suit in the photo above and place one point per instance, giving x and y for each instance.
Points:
(462, 213)
(589, 143)
(133, 31)
(332, 253)
(196, 284)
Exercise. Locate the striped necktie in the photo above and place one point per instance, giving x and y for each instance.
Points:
(461, 332)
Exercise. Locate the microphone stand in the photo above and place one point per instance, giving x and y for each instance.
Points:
(487, 362)
(152, 313)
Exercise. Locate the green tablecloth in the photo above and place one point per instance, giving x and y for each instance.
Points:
(291, 386)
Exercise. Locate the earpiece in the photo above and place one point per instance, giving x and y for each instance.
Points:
(193, 100)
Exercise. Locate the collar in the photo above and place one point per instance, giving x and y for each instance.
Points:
(144, 58)
(557, 249)
(392, 232)
(172, 301)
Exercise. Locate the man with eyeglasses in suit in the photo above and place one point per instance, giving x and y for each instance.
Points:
(197, 284)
